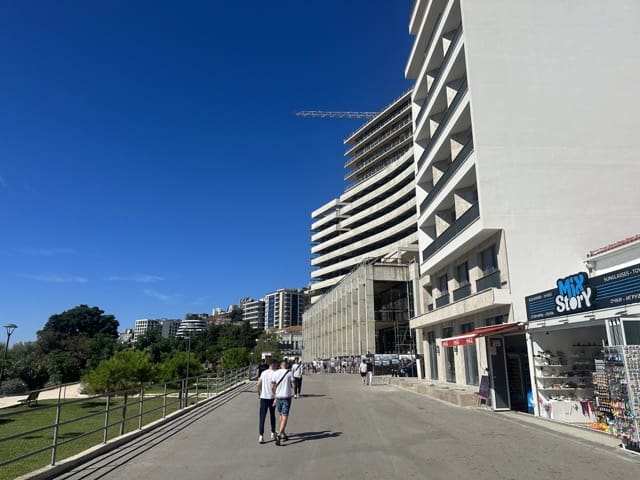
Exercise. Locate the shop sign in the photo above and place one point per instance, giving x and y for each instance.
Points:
(578, 293)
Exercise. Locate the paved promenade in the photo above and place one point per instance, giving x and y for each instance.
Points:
(341, 429)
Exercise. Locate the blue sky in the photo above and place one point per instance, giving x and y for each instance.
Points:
(150, 161)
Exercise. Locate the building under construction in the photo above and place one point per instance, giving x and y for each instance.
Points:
(363, 244)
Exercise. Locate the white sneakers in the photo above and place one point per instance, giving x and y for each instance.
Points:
(260, 439)
(273, 435)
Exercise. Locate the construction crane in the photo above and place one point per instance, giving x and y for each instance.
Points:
(321, 114)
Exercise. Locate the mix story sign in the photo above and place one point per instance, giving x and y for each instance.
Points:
(578, 293)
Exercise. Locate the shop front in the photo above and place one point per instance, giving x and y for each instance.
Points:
(579, 333)
(507, 375)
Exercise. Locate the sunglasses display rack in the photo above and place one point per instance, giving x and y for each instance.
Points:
(622, 408)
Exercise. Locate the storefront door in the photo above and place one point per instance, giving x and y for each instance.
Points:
(498, 370)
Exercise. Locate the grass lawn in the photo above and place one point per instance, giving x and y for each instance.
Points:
(83, 417)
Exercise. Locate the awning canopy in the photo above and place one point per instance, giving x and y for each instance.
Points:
(469, 338)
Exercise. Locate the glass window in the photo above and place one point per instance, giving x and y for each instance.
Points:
(470, 357)
(443, 284)
(433, 355)
(449, 357)
(462, 274)
(489, 260)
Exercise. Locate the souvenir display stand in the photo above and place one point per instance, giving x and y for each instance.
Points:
(617, 381)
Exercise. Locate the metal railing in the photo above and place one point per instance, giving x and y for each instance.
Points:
(463, 222)
(102, 417)
(453, 168)
(445, 61)
(492, 280)
(462, 292)
(443, 123)
(443, 300)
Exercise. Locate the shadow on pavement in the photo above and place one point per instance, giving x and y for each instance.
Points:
(305, 436)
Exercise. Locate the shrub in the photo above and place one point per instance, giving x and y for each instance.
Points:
(13, 386)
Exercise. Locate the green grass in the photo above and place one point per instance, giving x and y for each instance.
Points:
(23, 419)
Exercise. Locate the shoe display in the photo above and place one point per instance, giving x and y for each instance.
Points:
(260, 439)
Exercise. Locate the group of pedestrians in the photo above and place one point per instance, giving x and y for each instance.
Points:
(277, 388)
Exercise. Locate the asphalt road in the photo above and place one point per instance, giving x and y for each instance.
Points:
(341, 429)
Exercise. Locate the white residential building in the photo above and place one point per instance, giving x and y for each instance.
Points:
(284, 308)
(525, 118)
(254, 313)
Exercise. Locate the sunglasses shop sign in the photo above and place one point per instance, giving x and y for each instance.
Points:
(579, 293)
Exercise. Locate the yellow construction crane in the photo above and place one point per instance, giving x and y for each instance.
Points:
(321, 114)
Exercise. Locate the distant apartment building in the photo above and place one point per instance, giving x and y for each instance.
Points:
(524, 144)
(254, 313)
(363, 242)
(284, 308)
(167, 327)
(190, 326)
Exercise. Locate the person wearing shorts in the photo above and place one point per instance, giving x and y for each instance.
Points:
(363, 371)
(282, 382)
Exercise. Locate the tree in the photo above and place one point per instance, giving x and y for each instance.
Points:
(127, 369)
(175, 367)
(267, 342)
(84, 332)
(234, 358)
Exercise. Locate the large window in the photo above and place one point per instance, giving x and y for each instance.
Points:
(462, 274)
(449, 357)
(443, 284)
(489, 260)
(433, 355)
(470, 357)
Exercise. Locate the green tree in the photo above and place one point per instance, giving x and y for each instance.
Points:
(234, 358)
(84, 332)
(127, 369)
(63, 367)
(266, 342)
(175, 367)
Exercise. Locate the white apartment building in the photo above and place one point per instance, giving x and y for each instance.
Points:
(190, 326)
(284, 308)
(254, 313)
(524, 116)
(353, 295)
(167, 327)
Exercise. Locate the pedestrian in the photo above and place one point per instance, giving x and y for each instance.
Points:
(296, 371)
(264, 365)
(282, 386)
(369, 371)
(363, 371)
(265, 393)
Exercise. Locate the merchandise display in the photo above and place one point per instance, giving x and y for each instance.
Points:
(565, 382)
(620, 405)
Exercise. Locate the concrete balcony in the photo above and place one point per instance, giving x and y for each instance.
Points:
(480, 302)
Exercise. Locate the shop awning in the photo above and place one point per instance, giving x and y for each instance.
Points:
(469, 338)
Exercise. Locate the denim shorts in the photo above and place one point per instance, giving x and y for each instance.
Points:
(283, 405)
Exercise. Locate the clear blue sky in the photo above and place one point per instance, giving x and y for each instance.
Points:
(150, 161)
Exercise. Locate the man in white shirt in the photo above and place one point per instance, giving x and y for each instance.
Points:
(282, 385)
(296, 372)
(265, 391)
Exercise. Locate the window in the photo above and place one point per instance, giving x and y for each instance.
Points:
(470, 357)
(443, 284)
(462, 274)
(494, 321)
(489, 260)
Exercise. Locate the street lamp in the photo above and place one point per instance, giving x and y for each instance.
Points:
(9, 327)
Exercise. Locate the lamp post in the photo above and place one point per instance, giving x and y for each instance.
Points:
(9, 327)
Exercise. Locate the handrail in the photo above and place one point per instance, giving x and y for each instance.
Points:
(443, 123)
(394, 118)
(401, 124)
(380, 154)
(462, 156)
(443, 64)
(443, 239)
(177, 395)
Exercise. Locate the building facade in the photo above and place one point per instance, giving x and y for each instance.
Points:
(284, 308)
(507, 111)
(166, 326)
(362, 244)
(254, 313)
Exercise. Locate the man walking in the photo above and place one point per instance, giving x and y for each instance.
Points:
(282, 382)
(296, 372)
(369, 371)
(265, 389)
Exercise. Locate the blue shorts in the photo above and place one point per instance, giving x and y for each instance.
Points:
(283, 405)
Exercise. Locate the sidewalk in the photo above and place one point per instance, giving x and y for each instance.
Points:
(465, 396)
(68, 391)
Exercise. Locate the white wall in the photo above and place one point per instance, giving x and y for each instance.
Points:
(554, 105)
